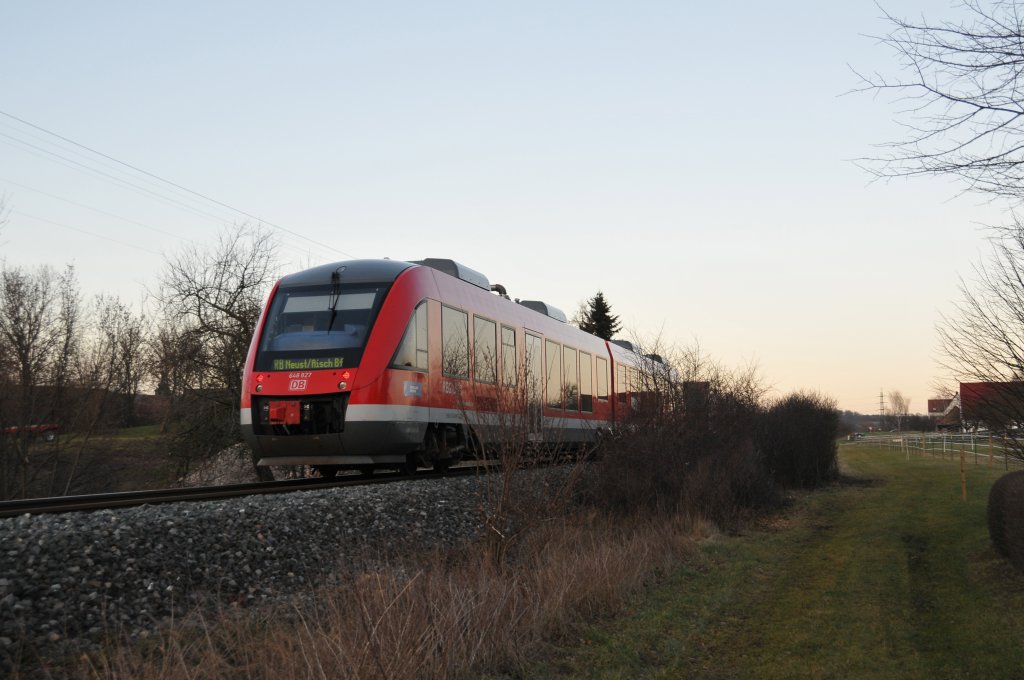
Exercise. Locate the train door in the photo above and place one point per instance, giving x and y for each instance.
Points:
(534, 388)
(621, 393)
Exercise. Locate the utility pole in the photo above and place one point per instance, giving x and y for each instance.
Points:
(881, 408)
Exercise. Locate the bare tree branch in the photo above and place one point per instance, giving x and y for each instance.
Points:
(964, 98)
(211, 304)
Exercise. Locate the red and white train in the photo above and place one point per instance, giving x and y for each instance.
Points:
(387, 364)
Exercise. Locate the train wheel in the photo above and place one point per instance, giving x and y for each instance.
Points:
(411, 464)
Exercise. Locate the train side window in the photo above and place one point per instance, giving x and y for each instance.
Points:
(534, 370)
(553, 390)
(508, 356)
(602, 379)
(586, 384)
(634, 388)
(454, 342)
(412, 350)
(621, 386)
(485, 354)
(572, 388)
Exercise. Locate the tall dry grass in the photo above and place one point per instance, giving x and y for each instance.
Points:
(449, 616)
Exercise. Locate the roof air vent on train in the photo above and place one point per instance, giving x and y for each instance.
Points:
(459, 271)
(545, 309)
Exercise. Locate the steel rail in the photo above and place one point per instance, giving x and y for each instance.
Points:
(124, 499)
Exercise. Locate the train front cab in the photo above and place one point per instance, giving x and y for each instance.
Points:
(316, 355)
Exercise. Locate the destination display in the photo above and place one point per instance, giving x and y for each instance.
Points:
(307, 364)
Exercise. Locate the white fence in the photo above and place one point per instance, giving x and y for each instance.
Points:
(985, 449)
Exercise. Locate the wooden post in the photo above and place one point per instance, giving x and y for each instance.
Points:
(963, 473)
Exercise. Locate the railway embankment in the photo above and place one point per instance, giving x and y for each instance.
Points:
(69, 578)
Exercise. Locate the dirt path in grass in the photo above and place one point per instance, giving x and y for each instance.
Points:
(889, 574)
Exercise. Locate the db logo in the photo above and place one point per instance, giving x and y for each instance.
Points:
(296, 385)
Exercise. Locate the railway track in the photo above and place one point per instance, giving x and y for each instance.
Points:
(124, 499)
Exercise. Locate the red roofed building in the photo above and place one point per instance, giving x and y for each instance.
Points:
(937, 407)
(992, 405)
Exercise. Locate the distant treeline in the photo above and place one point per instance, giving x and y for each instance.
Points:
(851, 421)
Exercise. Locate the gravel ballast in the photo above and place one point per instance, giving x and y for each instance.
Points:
(71, 577)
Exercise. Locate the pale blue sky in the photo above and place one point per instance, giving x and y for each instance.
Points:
(689, 160)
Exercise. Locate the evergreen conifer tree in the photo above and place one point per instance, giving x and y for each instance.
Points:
(597, 318)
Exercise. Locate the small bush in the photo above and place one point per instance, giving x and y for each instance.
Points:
(996, 512)
(694, 464)
(797, 436)
(1006, 517)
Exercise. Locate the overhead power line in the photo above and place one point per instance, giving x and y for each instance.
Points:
(86, 232)
(168, 182)
(3, 180)
(92, 208)
(122, 182)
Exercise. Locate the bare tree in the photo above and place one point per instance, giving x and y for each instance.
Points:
(964, 112)
(899, 407)
(25, 322)
(68, 335)
(211, 302)
(982, 340)
(171, 360)
(964, 107)
(125, 334)
(42, 376)
(942, 389)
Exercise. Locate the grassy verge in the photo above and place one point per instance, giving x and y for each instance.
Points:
(889, 574)
(137, 432)
(126, 460)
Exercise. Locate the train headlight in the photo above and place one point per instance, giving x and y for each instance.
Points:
(343, 385)
(259, 388)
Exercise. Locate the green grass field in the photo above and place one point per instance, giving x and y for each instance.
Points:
(888, 574)
(139, 432)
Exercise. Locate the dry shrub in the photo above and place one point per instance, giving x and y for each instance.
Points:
(696, 461)
(447, 617)
(797, 435)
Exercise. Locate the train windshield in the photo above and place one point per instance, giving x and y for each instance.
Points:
(316, 327)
